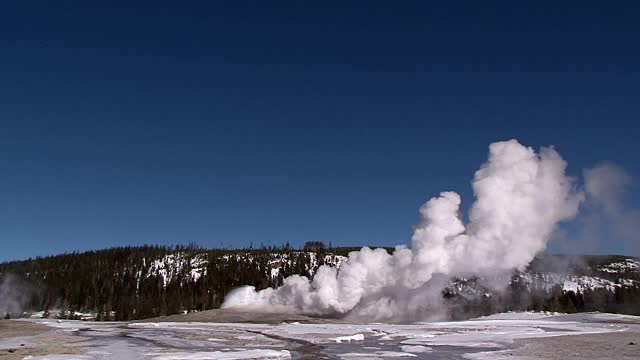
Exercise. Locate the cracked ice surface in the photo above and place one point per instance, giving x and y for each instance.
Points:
(176, 340)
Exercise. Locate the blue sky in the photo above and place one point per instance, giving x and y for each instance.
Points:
(260, 123)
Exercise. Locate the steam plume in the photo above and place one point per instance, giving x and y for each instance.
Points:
(606, 186)
(12, 295)
(520, 198)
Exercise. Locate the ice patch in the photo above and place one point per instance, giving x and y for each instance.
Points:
(520, 315)
(356, 337)
(57, 357)
(228, 355)
(380, 354)
(415, 348)
(200, 340)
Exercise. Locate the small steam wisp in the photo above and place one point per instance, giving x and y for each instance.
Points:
(12, 296)
(521, 196)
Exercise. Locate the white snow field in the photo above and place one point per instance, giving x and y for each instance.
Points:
(482, 338)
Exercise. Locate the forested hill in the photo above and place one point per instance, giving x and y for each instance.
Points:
(141, 282)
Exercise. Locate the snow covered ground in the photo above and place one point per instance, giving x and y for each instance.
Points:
(476, 338)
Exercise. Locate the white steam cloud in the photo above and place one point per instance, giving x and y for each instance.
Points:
(520, 198)
(12, 295)
(608, 217)
(605, 185)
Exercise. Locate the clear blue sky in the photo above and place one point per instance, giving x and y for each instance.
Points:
(258, 122)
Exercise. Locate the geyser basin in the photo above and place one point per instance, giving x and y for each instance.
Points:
(520, 198)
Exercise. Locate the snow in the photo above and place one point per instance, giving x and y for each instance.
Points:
(519, 315)
(226, 355)
(84, 316)
(184, 340)
(581, 283)
(329, 260)
(573, 282)
(356, 337)
(380, 354)
(415, 348)
(620, 267)
(56, 313)
(170, 266)
(37, 315)
(57, 357)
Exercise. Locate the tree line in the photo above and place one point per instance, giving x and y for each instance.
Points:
(121, 284)
(126, 283)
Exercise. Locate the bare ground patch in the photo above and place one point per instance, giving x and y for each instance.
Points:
(32, 339)
(621, 345)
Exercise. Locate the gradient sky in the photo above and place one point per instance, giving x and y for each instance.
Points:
(265, 123)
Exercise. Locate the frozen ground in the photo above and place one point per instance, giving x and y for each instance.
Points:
(512, 335)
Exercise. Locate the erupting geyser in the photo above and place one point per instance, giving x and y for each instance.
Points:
(520, 198)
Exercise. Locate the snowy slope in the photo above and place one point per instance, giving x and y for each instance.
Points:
(171, 266)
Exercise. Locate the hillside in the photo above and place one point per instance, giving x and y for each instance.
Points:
(143, 282)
